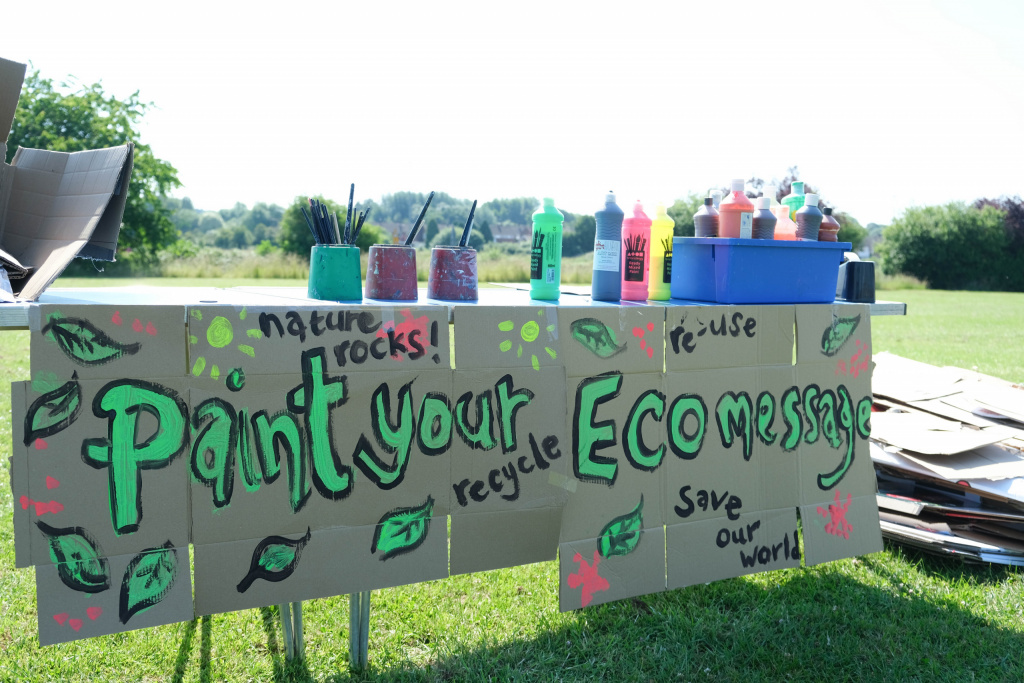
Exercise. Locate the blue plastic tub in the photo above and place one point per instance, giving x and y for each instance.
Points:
(748, 271)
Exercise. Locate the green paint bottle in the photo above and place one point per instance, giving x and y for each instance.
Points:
(546, 253)
(795, 199)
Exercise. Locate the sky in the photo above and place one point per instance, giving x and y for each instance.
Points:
(882, 105)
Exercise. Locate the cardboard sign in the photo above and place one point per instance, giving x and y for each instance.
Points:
(318, 450)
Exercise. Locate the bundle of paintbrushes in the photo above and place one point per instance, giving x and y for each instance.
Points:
(325, 226)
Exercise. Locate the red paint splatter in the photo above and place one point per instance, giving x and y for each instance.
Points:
(41, 507)
(643, 343)
(150, 329)
(638, 331)
(40, 445)
(137, 325)
(856, 364)
(838, 526)
(76, 624)
(403, 329)
(51, 483)
(60, 618)
(650, 352)
(650, 327)
(588, 578)
(116, 318)
(94, 612)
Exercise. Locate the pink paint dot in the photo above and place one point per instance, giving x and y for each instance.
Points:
(137, 325)
(51, 483)
(116, 318)
(643, 343)
(75, 624)
(650, 352)
(150, 330)
(94, 612)
(650, 327)
(60, 618)
(25, 502)
(40, 445)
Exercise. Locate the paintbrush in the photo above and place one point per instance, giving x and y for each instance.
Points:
(419, 219)
(469, 226)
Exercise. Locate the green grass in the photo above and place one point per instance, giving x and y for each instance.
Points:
(892, 616)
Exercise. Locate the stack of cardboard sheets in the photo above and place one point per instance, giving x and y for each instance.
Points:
(948, 450)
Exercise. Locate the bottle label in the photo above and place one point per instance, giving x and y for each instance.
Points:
(666, 271)
(746, 225)
(537, 256)
(636, 264)
(606, 255)
(549, 275)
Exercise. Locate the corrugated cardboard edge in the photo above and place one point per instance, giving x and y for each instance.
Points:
(102, 244)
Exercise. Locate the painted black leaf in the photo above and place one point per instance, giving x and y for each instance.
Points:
(147, 580)
(84, 343)
(402, 530)
(621, 535)
(274, 559)
(80, 563)
(596, 337)
(836, 334)
(53, 411)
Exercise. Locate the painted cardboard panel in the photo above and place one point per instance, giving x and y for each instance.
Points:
(495, 540)
(586, 578)
(231, 576)
(836, 334)
(726, 436)
(150, 588)
(835, 413)
(843, 527)
(119, 475)
(22, 508)
(270, 340)
(308, 465)
(106, 342)
(714, 549)
(617, 444)
(510, 449)
(701, 337)
(626, 339)
(500, 337)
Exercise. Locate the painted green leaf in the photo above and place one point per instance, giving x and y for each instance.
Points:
(596, 337)
(274, 559)
(53, 411)
(80, 564)
(621, 535)
(84, 343)
(837, 333)
(402, 530)
(147, 580)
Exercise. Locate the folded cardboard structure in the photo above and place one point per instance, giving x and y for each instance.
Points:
(312, 450)
(54, 206)
(948, 448)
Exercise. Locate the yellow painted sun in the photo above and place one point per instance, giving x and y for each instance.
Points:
(528, 333)
(219, 334)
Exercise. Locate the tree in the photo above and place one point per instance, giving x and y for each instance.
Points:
(581, 239)
(850, 230)
(432, 229)
(295, 237)
(71, 117)
(682, 211)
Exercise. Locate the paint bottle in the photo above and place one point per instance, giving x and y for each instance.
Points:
(659, 282)
(808, 219)
(607, 280)
(705, 221)
(546, 255)
(716, 197)
(736, 213)
(772, 192)
(785, 228)
(795, 199)
(829, 227)
(636, 252)
(764, 220)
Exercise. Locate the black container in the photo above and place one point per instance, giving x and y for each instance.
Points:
(856, 282)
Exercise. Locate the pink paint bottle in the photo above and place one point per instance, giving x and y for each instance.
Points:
(736, 213)
(636, 254)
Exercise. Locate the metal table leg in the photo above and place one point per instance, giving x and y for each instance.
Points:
(358, 629)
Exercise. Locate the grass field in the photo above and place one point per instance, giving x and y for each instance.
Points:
(891, 616)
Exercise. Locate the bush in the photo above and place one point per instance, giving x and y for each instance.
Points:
(445, 239)
(954, 247)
